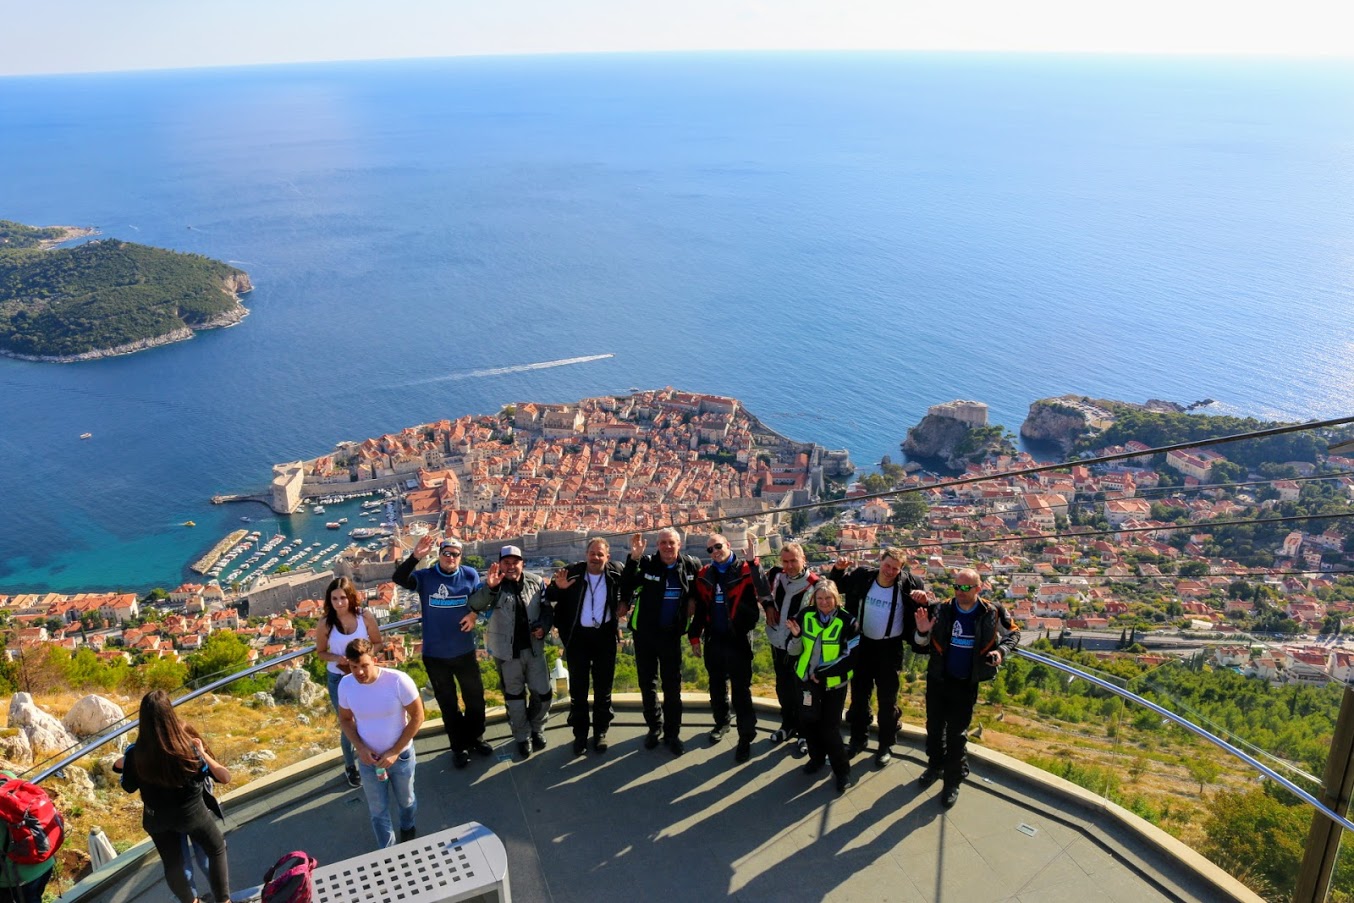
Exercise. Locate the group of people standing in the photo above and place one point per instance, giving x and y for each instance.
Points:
(833, 634)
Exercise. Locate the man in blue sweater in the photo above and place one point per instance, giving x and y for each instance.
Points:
(449, 641)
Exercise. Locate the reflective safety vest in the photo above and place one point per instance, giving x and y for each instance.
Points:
(829, 639)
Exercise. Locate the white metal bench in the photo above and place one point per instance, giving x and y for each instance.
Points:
(466, 862)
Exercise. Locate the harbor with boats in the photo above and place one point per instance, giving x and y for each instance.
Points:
(273, 544)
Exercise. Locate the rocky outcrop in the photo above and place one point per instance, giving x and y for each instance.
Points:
(78, 784)
(258, 757)
(92, 715)
(239, 284)
(1054, 421)
(14, 747)
(45, 733)
(954, 442)
(1061, 421)
(102, 772)
(295, 685)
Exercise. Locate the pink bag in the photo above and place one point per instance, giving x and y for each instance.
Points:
(289, 881)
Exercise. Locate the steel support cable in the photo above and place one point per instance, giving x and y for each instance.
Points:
(1025, 471)
(1138, 578)
(1201, 526)
(1141, 491)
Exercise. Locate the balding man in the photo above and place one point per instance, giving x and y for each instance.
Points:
(587, 601)
(660, 587)
(967, 638)
(726, 594)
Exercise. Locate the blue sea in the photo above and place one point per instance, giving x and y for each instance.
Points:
(840, 240)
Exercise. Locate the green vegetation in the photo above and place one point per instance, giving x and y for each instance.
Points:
(981, 441)
(909, 511)
(105, 294)
(1159, 429)
(14, 236)
(1253, 545)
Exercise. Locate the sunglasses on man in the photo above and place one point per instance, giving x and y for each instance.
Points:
(714, 547)
(966, 587)
(452, 553)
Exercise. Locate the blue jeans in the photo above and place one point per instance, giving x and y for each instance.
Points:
(194, 860)
(349, 757)
(400, 782)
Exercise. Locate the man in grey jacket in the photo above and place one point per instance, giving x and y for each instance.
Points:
(515, 637)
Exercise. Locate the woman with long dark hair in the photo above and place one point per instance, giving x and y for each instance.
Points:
(169, 766)
(344, 620)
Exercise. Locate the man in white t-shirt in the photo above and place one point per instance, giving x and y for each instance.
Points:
(380, 712)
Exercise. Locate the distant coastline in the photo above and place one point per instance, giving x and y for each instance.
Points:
(226, 320)
(68, 233)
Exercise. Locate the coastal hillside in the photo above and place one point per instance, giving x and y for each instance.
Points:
(16, 236)
(106, 297)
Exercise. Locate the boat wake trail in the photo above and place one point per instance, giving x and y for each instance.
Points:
(502, 371)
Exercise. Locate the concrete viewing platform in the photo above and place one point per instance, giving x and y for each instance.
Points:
(637, 823)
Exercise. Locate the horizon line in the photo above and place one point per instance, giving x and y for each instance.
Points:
(1196, 55)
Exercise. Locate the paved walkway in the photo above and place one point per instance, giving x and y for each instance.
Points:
(637, 824)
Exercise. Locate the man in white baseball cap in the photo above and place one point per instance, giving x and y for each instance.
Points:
(515, 638)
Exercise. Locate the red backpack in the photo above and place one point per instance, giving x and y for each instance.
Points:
(35, 828)
(289, 881)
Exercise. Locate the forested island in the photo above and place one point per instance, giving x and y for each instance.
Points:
(105, 297)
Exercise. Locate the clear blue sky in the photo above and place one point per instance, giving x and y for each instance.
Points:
(96, 35)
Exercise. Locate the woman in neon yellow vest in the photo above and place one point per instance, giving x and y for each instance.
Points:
(824, 637)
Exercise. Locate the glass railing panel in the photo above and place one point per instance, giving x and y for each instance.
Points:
(1212, 799)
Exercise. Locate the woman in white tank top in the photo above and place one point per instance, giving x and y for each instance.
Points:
(344, 620)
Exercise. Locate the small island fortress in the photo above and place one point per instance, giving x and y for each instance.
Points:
(973, 413)
(601, 465)
(955, 434)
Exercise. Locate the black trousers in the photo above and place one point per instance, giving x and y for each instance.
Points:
(591, 654)
(821, 725)
(205, 835)
(728, 660)
(463, 727)
(949, 712)
(655, 655)
(876, 670)
(788, 692)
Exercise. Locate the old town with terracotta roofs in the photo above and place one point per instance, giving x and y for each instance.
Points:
(1152, 577)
